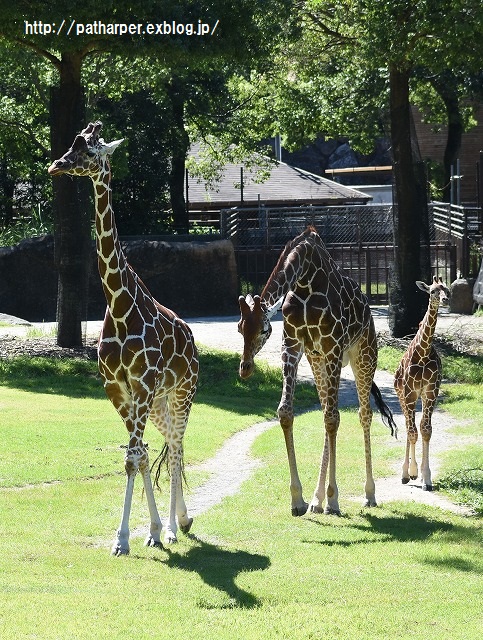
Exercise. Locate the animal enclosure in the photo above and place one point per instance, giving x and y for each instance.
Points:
(359, 238)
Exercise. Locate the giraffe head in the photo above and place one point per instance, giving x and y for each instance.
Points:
(255, 327)
(87, 156)
(437, 290)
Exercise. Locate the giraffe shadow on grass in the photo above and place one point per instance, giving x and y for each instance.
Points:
(397, 526)
(218, 568)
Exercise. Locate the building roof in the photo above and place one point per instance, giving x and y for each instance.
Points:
(286, 186)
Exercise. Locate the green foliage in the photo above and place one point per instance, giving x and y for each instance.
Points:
(465, 486)
(25, 188)
(27, 227)
(140, 189)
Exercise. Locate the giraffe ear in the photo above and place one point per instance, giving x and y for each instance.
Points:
(422, 285)
(108, 148)
(244, 308)
(79, 143)
(273, 309)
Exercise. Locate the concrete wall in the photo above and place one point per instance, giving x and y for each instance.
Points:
(191, 278)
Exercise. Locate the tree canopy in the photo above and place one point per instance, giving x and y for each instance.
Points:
(164, 73)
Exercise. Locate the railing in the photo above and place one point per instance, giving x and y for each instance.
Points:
(359, 237)
(455, 220)
(461, 226)
(272, 227)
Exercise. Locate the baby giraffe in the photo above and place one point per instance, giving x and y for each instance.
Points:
(419, 376)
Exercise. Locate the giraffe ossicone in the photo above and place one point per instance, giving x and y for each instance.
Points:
(147, 356)
(418, 376)
(327, 317)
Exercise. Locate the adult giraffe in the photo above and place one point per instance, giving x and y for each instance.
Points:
(325, 315)
(147, 356)
(419, 376)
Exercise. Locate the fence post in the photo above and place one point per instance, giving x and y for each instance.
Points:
(452, 262)
(465, 258)
(368, 274)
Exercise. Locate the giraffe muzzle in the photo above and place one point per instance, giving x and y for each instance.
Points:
(55, 168)
(246, 369)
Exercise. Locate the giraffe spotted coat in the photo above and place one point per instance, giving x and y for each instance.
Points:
(147, 356)
(327, 317)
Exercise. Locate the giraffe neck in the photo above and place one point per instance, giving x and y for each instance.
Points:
(424, 337)
(116, 276)
(297, 264)
(282, 280)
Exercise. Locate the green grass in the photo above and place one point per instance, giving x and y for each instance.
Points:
(248, 569)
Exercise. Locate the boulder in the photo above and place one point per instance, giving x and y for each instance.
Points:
(462, 296)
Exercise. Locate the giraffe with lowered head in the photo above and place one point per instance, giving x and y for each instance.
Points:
(419, 376)
(325, 315)
(146, 353)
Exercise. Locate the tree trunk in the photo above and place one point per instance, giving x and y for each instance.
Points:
(7, 188)
(179, 150)
(446, 86)
(411, 228)
(71, 206)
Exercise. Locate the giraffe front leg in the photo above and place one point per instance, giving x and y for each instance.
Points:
(290, 359)
(299, 506)
(318, 369)
(317, 502)
(120, 546)
(426, 432)
(410, 466)
(332, 419)
(131, 465)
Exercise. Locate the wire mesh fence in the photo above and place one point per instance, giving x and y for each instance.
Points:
(359, 238)
(273, 227)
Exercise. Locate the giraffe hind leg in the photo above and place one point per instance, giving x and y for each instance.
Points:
(170, 418)
(425, 429)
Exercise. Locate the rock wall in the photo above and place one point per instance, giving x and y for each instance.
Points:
(192, 278)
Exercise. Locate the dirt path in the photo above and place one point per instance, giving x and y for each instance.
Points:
(233, 464)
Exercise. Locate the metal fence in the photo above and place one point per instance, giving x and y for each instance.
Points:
(359, 238)
(273, 227)
(461, 227)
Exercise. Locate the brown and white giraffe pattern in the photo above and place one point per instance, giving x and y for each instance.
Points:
(419, 376)
(326, 316)
(147, 356)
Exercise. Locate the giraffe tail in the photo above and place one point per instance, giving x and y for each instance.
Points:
(162, 460)
(384, 410)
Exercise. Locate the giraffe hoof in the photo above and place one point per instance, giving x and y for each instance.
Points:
(370, 503)
(405, 480)
(331, 511)
(186, 527)
(300, 511)
(315, 508)
(151, 542)
(427, 487)
(413, 477)
(117, 551)
(170, 538)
